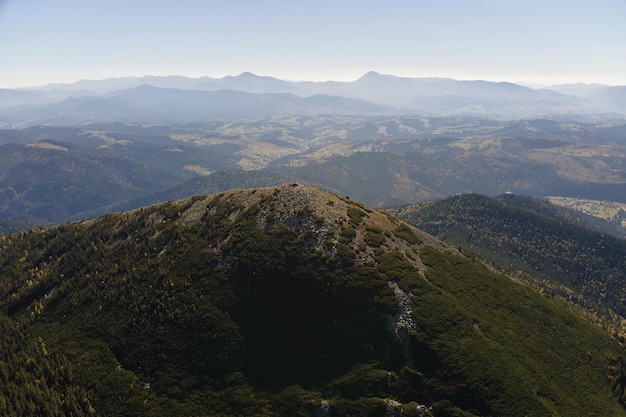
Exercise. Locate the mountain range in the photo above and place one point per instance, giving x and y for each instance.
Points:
(177, 99)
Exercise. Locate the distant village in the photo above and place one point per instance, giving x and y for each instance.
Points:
(607, 210)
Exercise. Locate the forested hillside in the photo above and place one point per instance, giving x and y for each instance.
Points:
(50, 175)
(282, 301)
(540, 244)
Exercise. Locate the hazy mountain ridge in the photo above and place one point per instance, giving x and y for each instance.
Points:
(148, 104)
(282, 301)
(372, 94)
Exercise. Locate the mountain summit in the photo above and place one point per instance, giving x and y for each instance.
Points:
(281, 301)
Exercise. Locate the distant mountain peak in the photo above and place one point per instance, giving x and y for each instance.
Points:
(371, 75)
(249, 76)
(246, 74)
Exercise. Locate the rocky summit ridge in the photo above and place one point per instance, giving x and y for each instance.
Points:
(308, 208)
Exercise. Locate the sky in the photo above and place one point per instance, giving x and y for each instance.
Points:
(535, 42)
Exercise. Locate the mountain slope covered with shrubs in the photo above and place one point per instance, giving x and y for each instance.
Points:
(282, 301)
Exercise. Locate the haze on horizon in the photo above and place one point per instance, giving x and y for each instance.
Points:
(533, 42)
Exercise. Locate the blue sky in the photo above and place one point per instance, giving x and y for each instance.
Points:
(541, 42)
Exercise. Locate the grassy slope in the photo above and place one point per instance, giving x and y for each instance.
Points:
(538, 352)
(539, 245)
